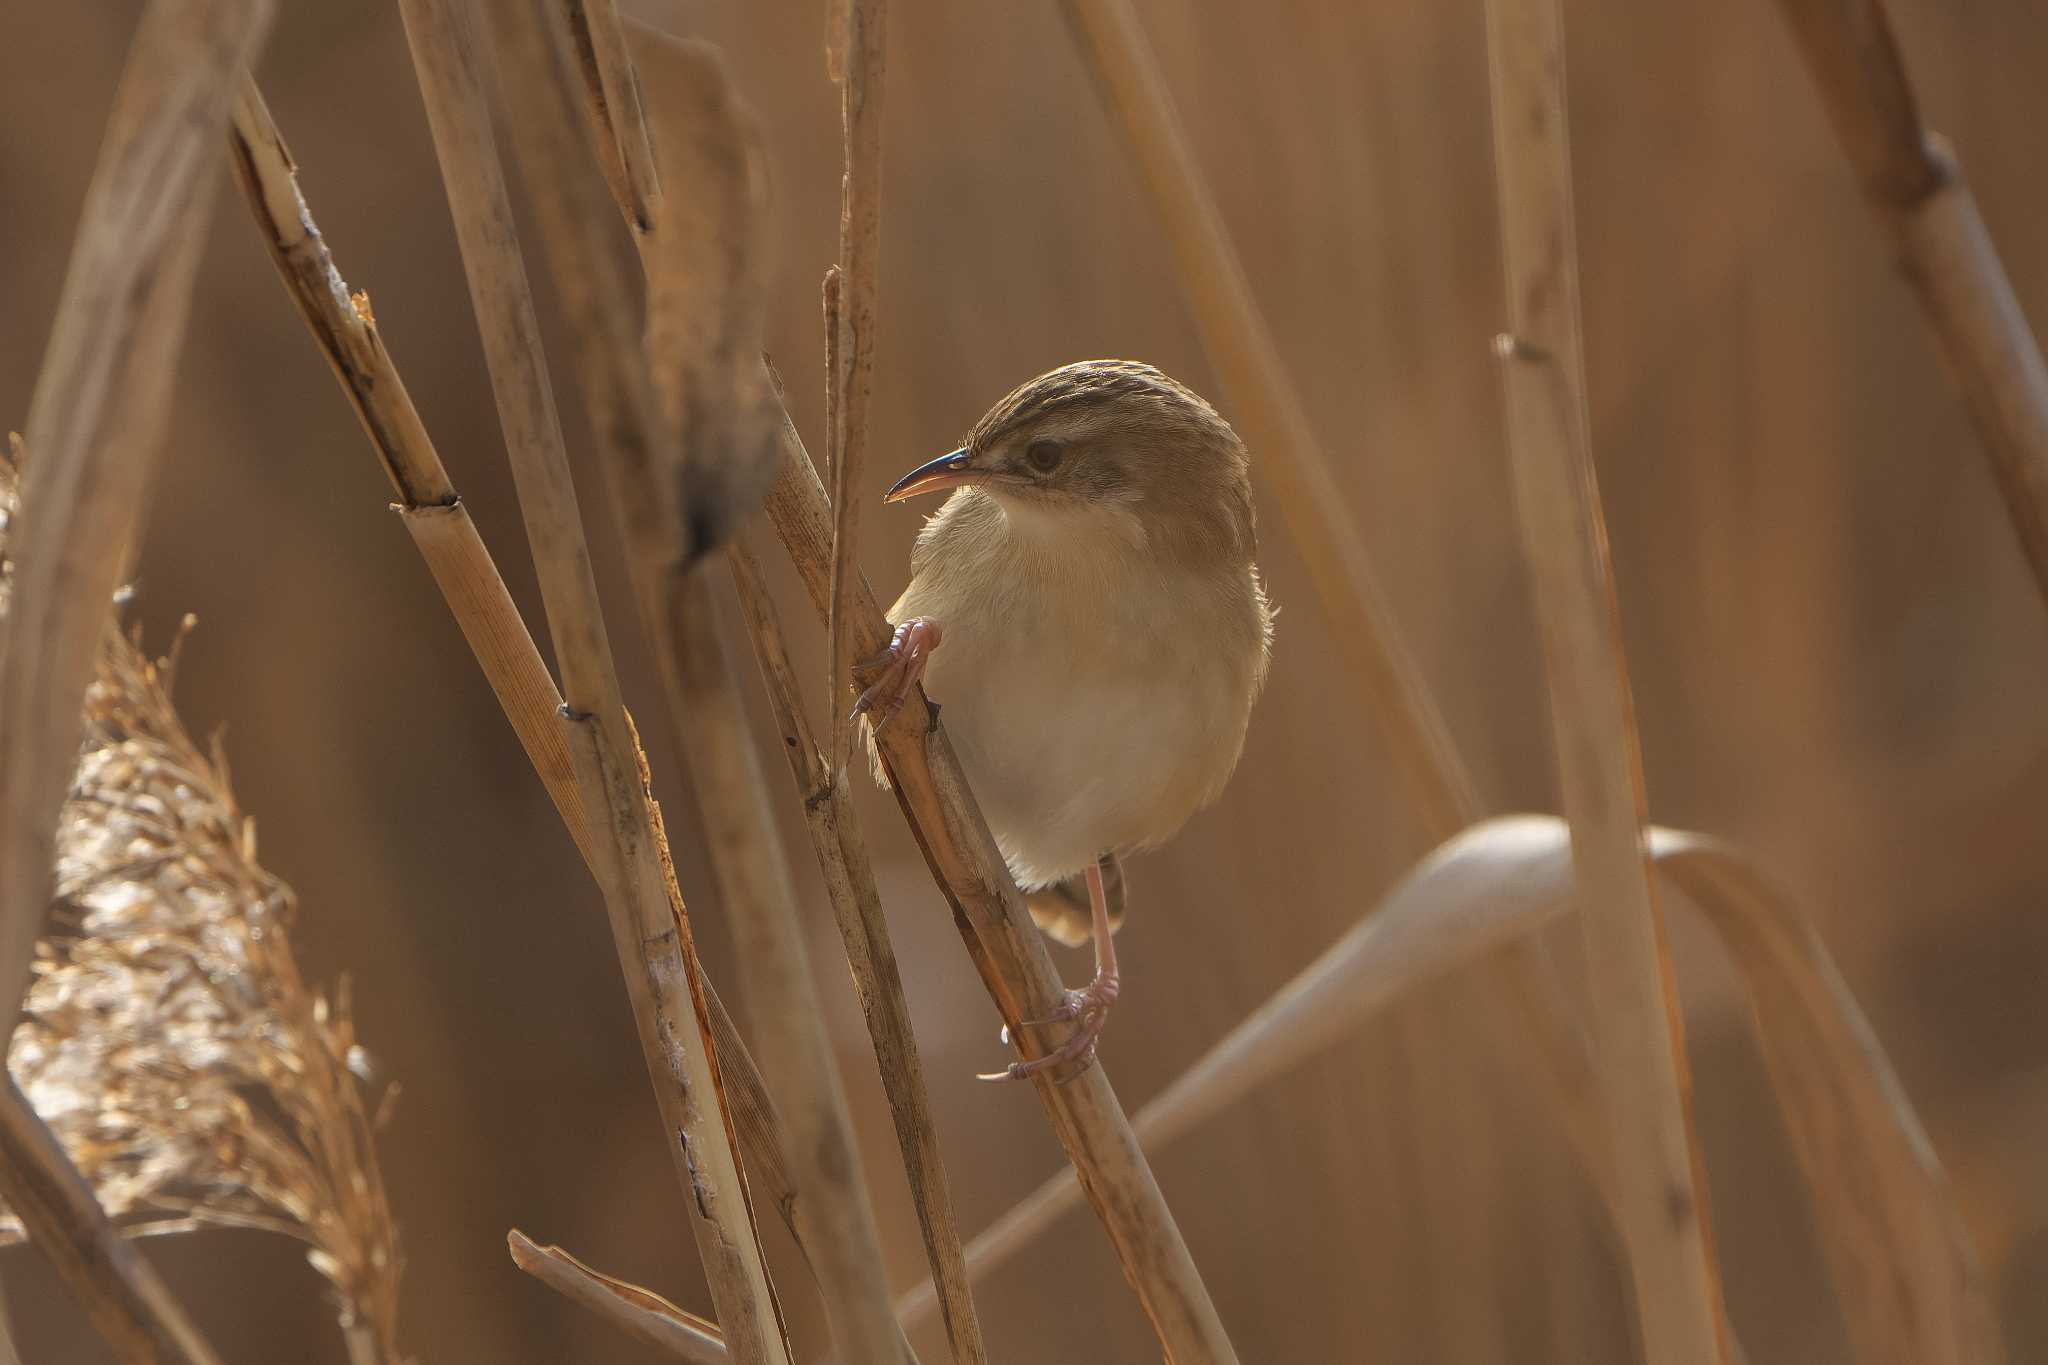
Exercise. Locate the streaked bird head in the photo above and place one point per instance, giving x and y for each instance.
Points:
(1108, 436)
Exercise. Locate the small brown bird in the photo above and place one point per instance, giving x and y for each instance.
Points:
(1105, 634)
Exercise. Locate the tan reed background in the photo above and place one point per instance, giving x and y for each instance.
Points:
(1837, 653)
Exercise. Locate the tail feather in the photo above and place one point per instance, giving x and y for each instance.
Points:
(1062, 912)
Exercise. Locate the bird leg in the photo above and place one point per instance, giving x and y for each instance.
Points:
(893, 674)
(1088, 1007)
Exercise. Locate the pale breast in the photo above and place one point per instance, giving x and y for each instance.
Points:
(1096, 702)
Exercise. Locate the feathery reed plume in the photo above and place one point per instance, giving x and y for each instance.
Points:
(168, 1039)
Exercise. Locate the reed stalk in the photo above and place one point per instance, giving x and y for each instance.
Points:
(670, 387)
(653, 943)
(344, 327)
(1291, 463)
(96, 421)
(1914, 184)
(853, 302)
(849, 876)
(98, 414)
(1660, 1191)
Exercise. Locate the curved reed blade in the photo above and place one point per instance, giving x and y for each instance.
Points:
(1886, 1216)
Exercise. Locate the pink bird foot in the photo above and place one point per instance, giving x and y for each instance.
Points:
(893, 674)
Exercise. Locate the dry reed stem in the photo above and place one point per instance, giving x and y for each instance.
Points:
(1916, 188)
(832, 1204)
(1897, 1250)
(1010, 955)
(653, 943)
(698, 126)
(128, 1303)
(96, 419)
(97, 416)
(346, 332)
(851, 352)
(849, 878)
(639, 1312)
(1660, 1193)
(836, 838)
(1292, 462)
(624, 153)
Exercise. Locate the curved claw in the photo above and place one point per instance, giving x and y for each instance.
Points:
(896, 670)
(1090, 1007)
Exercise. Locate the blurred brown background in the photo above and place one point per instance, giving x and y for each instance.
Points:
(1838, 657)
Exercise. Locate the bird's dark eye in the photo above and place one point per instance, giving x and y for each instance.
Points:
(1043, 456)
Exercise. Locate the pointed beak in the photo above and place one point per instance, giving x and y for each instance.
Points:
(950, 470)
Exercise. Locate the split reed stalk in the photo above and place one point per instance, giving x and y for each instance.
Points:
(849, 877)
(1292, 463)
(595, 284)
(1010, 955)
(633, 1310)
(96, 423)
(652, 940)
(854, 302)
(677, 611)
(1915, 185)
(1660, 1191)
(624, 152)
(345, 329)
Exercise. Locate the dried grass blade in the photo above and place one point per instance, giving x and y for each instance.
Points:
(1010, 955)
(639, 1312)
(652, 941)
(97, 417)
(1916, 187)
(1886, 1216)
(1660, 1194)
(849, 877)
(858, 298)
(1903, 1267)
(707, 268)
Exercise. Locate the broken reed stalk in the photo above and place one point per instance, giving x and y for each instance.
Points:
(652, 940)
(635, 1311)
(1639, 1042)
(96, 421)
(849, 877)
(851, 352)
(97, 418)
(1010, 954)
(345, 329)
(678, 613)
(1914, 184)
(1294, 466)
